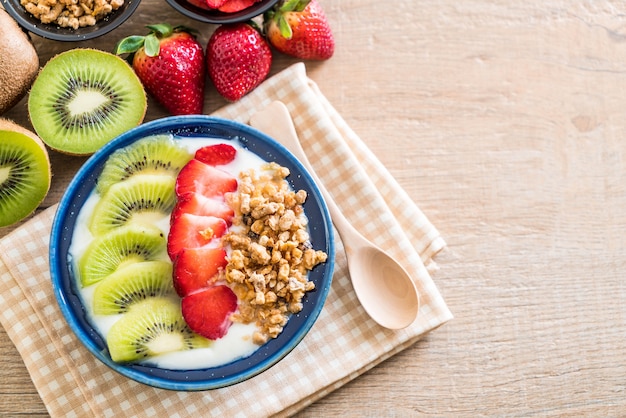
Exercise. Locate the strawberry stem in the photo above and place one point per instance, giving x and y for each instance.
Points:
(294, 5)
(150, 42)
(277, 14)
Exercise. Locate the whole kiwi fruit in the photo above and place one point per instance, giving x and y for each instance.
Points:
(25, 173)
(19, 62)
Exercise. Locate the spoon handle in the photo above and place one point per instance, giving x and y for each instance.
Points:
(280, 126)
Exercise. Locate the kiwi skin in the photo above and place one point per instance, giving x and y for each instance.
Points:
(19, 62)
(19, 212)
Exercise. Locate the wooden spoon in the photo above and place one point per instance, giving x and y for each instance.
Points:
(382, 285)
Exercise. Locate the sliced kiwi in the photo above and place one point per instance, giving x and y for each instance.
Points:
(151, 327)
(24, 172)
(83, 98)
(144, 198)
(122, 246)
(157, 154)
(131, 284)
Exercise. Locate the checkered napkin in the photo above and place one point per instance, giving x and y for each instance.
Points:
(343, 343)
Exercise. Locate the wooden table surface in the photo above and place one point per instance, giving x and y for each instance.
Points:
(506, 122)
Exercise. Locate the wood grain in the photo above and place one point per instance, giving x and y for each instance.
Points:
(505, 121)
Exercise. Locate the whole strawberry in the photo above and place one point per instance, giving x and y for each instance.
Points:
(170, 63)
(238, 59)
(299, 28)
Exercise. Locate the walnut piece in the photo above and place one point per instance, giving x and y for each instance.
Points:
(271, 253)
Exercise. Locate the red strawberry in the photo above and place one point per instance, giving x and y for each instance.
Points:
(238, 59)
(193, 231)
(299, 28)
(200, 3)
(198, 177)
(198, 204)
(218, 154)
(197, 268)
(232, 6)
(215, 4)
(208, 312)
(171, 65)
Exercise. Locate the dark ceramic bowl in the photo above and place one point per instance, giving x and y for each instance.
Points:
(51, 31)
(65, 284)
(215, 16)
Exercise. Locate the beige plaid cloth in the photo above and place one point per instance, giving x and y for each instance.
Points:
(343, 343)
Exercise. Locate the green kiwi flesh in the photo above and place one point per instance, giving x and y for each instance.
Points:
(118, 248)
(116, 293)
(151, 327)
(83, 98)
(157, 154)
(143, 198)
(24, 173)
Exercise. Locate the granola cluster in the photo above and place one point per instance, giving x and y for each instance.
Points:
(271, 250)
(71, 13)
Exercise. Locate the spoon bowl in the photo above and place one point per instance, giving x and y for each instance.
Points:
(383, 287)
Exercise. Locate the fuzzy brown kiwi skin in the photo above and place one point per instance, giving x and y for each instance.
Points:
(19, 62)
(9, 125)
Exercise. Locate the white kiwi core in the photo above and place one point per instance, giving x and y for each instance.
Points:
(4, 174)
(86, 101)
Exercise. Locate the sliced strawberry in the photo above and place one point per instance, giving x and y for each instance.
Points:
(197, 268)
(215, 4)
(207, 312)
(198, 204)
(193, 231)
(218, 154)
(232, 6)
(200, 3)
(198, 177)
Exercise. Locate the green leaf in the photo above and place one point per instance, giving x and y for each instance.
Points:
(152, 45)
(290, 5)
(129, 45)
(162, 30)
(302, 5)
(285, 29)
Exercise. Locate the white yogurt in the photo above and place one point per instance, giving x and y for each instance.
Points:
(237, 343)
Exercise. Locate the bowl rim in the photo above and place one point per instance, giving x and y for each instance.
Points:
(218, 17)
(68, 301)
(49, 31)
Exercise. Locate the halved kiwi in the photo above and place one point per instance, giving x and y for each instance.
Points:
(144, 198)
(131, 284)
(25, 173)
(152, 327)
(83, 98)
(156, 154)
(122, 246)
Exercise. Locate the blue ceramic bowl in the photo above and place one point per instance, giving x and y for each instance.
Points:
(66, 288)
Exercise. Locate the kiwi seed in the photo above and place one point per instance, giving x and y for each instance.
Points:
(144, 198)
(156, 154)
(83, 98)
(151, 327)
(132, 284)
(122, 246)
(25, 173)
